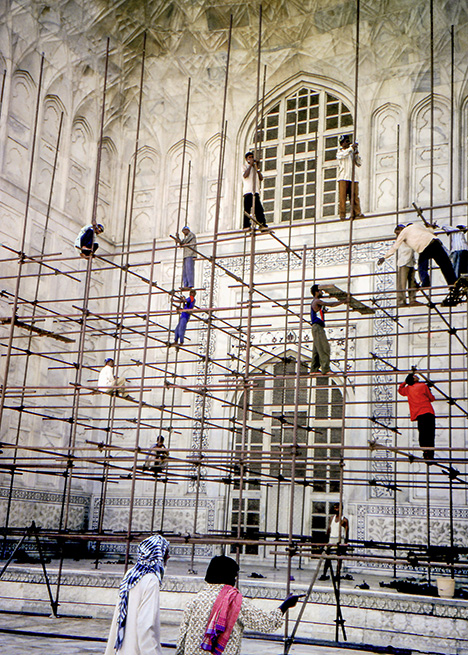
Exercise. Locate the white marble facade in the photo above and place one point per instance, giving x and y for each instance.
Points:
(309, 44)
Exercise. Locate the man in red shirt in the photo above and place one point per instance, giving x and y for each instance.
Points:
(421, 410)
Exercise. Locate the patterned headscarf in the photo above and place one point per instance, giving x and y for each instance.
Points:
(151, 554)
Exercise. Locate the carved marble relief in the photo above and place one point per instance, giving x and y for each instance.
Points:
(144, 218)
(178, 517)
(421, 152)
(79, 173)
(385, 125)
(176, 203)
(211, 159)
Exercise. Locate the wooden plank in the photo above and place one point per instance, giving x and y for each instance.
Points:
(39, 331)
(339, 294)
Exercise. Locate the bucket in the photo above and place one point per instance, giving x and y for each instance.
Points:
(446, 587)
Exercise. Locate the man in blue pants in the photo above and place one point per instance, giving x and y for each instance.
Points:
(184, 318)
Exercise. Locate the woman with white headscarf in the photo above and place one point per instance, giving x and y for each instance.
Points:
(136, 626)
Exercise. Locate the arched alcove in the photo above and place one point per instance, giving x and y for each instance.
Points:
(272, 427)
(79, 175)
(173, 187)
(307, 117)
(421, 156)
(20, 120)
(385, 129)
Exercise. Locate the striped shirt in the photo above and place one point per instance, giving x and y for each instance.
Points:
(457, 238)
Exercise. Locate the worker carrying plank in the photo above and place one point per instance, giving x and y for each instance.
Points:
(321, 348)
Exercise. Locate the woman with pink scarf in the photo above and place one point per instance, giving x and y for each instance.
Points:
(216, 618)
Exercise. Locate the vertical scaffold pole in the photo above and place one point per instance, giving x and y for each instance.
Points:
(140, 406)
(395, 386)
(68, 473)
(429, 311)
(209, 328)
(297, 392)
(30, 336)
(171, 312)
(349, 278)
(242, 512)
(450, 386)
(123, 280)
(23, 242)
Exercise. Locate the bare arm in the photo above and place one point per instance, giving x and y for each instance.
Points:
(345, 525)
(332, 303)
(398, 241)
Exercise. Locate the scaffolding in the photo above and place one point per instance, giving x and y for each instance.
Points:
(131, 317)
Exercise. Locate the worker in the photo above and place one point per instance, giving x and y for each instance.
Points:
(85, 242)
(420, 403)
(321, 347)
(348, 186)
(189, 245)
(251, 178)
(189, 304)
(157, 457)
(421, 239)
(337, 533)
(109, 383)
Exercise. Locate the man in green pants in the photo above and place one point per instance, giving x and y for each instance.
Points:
(321, 351)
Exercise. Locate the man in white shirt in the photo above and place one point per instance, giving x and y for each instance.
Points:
(421, 239)
(337, 533)
(345, 155)
(458, 248)
(189, 245)
(108, 383)
(406, 277)
(251, 178)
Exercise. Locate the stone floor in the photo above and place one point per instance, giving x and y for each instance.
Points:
(45, 631)
(23, 633)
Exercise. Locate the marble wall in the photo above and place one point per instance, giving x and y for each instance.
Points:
(309, 43)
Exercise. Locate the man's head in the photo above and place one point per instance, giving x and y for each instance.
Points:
(336, 508)
(185, 230)
(99, 228)
(249, 157)
(345, 140)
(462, 228)
(411, 379)
(315, 291)
(109, 362)
(160, 440)
(399, 228)
(193, 293)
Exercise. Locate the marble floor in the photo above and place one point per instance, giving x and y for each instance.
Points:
(22, 634)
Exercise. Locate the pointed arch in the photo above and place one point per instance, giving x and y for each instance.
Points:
(20, 119)
(174, 165)
(79, 175)
(144, 224)
(210, 175)
(271, 429)
(420, 133)
(321, 110)
(385, 123)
